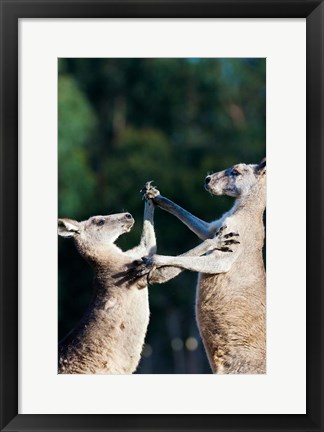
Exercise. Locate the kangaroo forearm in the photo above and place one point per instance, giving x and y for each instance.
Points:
(148, 239)
(147, 245)
(164, 274)
(198, 226)
(207, 264)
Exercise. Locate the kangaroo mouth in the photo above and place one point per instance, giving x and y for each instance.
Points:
(213, 190)
(129, 225)
(209, 189)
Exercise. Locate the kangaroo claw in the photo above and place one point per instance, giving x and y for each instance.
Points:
(229, 242)
(225, 249)
(231, 234)
(220, 231)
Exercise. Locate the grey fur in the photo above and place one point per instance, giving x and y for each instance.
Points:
(110, 336)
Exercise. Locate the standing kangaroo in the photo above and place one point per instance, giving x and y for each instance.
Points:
(231, 293)
(110, 336)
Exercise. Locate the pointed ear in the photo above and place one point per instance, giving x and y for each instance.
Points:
(68, 228)
(262, 167)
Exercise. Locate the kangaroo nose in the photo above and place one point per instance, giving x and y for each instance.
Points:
(128, 216)
(207, 179)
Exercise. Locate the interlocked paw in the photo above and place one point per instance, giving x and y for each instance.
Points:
(222, 241)
(142, 267)
(149, 191)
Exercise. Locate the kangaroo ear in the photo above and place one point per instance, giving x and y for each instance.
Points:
(262, 167)
(68, 228)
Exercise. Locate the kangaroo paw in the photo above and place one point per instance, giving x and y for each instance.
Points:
(149, 191)
(142, 267)
(222, 240)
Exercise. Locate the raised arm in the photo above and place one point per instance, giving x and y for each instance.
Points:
(147, 245)
(202, 229)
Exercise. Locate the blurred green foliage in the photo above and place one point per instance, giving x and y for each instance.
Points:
(125, 121)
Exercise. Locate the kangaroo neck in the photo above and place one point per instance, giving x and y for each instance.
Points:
(253, 203)
(104, 283)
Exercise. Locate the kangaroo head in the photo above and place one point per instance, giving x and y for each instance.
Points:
(237, 181)
(92, 236)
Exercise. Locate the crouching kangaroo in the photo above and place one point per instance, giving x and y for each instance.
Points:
(231, 292)
(110, 336)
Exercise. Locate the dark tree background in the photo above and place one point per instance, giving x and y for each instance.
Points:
(125, 121)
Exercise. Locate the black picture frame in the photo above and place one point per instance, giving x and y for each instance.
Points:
(11, 12)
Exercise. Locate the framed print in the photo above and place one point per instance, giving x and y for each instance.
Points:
(97, 100)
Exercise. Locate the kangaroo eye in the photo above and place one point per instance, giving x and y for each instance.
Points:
(100, 222)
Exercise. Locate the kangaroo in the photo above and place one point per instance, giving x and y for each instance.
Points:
(231, 291)
(110, 336)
